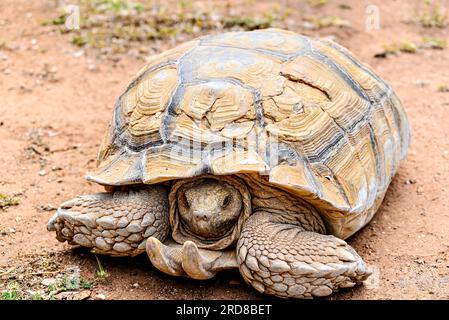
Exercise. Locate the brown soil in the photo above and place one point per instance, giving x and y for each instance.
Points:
(55, 104)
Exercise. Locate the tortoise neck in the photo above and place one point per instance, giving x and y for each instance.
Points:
(293, 210)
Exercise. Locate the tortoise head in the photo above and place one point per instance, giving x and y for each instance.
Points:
(209, 207)
(209, 210)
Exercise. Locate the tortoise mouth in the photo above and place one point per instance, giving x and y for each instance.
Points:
(209, 210)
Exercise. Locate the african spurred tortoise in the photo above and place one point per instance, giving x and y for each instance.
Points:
(254, 150)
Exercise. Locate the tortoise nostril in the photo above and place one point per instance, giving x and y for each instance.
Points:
(201, 215)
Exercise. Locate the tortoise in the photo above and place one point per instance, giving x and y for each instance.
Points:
(260, 150)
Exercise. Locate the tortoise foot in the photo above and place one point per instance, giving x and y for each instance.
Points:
(115, 224)
(188, 260)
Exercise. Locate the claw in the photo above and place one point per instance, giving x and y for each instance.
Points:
(51, 223)
(198, 264)
(188, 260)
(70, 203)
(165, 258)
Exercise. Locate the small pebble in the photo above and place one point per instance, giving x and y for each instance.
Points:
(45, 207)
(78, 54)
(82, 295)
(100, 296)
(420, 83)
(48, 281)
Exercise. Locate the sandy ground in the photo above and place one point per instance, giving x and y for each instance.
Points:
(56, 101)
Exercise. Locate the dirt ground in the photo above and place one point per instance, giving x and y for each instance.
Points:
(56, 100)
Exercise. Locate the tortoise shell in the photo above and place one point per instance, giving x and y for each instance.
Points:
(298, 113)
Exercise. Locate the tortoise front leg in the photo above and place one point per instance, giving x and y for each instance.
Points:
(277, 256)
(117, 223)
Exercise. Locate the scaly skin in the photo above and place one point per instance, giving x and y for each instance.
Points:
(281, 250)
(277, 256)
(117, 224)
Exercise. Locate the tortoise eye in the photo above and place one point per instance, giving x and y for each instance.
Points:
(226, 201)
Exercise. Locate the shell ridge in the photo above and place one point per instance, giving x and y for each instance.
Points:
(169, 111)
(379, 100)
(180, 88)
(346, 53)
(364, 119)
(273, 53)
(308, 171)
(342, 73)
(360, 206)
